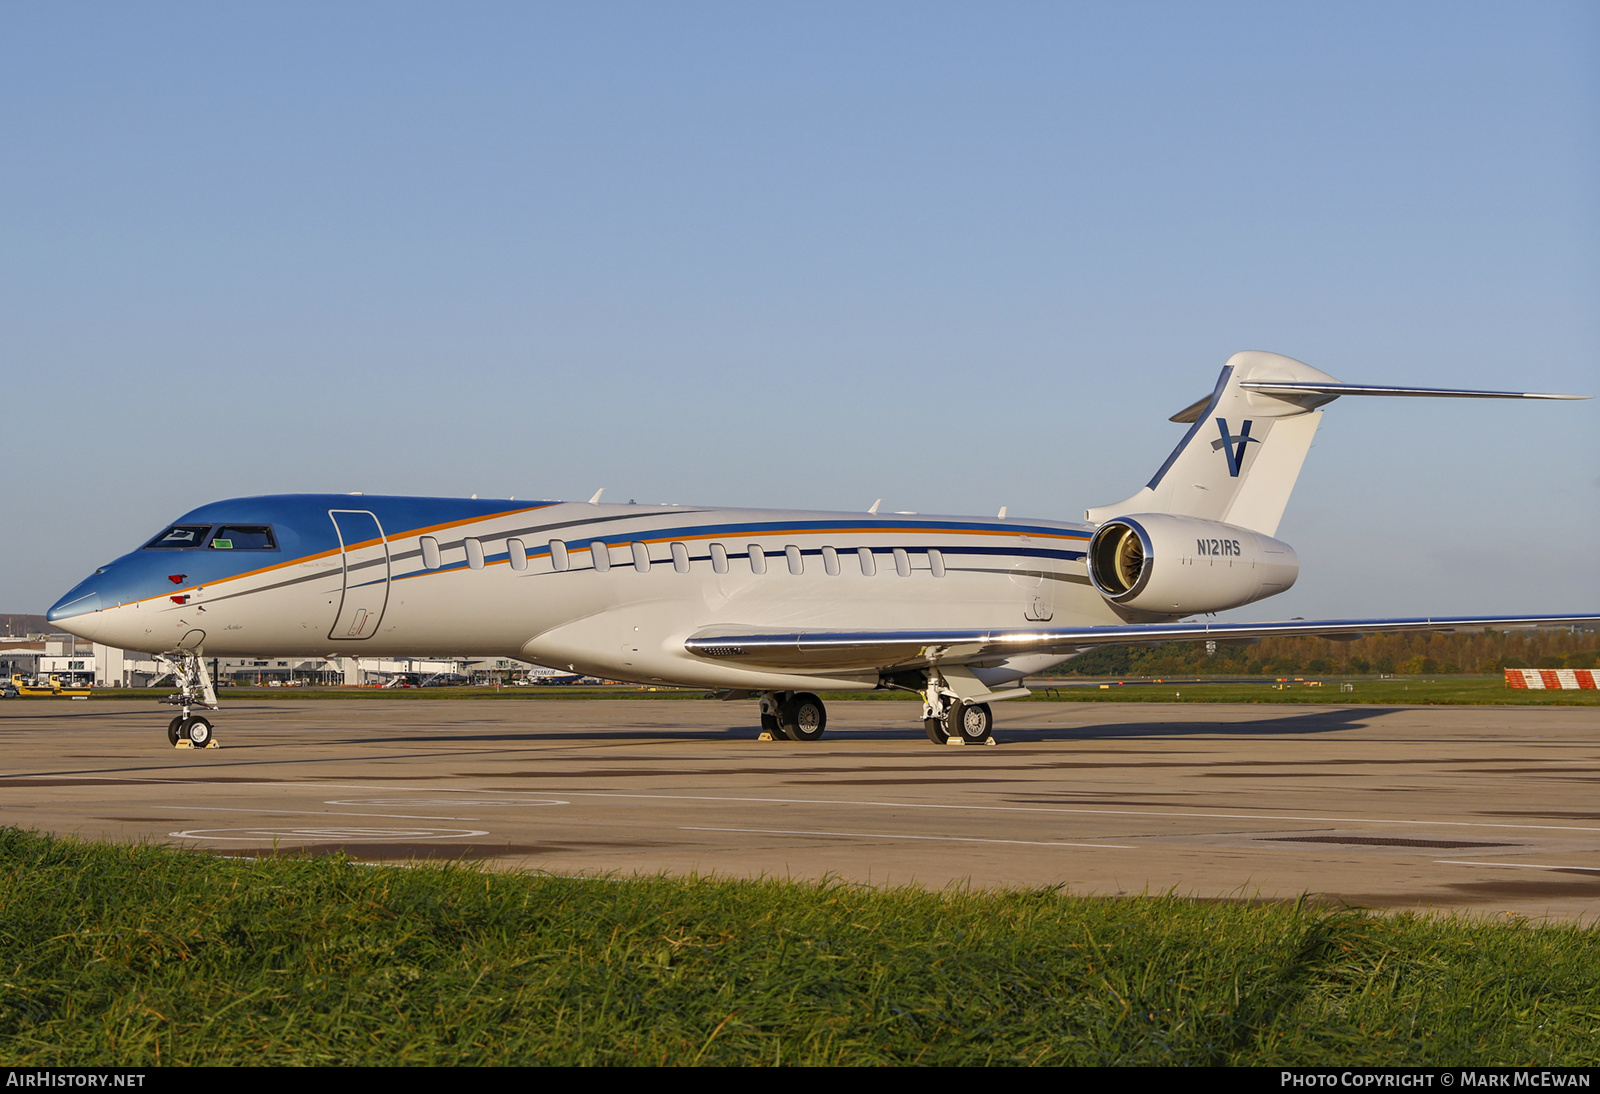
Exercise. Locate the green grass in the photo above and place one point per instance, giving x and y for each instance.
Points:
(1394, 691)
(142, 955)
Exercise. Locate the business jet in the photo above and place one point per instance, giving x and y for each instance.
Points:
(752, 604)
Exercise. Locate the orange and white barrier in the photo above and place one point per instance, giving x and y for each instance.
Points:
(1553, 679)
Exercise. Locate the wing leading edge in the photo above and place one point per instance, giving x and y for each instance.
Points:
(834, 651)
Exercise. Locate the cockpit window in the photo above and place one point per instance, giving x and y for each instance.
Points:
(180, 535)
(243, 537)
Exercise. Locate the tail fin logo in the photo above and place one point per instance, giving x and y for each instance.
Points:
(1232, 446)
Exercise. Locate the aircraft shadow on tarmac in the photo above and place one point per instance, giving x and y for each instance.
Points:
(1190, 725)
(1314, 721)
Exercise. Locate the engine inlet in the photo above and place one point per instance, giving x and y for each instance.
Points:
(1116, 558)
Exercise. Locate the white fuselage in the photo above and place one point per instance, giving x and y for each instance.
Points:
(624, 610)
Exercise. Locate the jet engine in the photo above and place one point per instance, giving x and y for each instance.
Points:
(1172, 565)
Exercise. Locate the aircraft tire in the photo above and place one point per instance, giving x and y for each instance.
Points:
(937, 733)
(769, 725)
(973, 721)
(803, 717)
(174, 730)
(198, 730)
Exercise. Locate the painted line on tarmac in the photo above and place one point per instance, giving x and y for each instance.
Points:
(344, 834)
(1520, 865)
(1089, 812)
(299, 812)
(885, 835)
(485, 802)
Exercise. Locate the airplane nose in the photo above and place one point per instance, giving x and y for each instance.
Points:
(77, 613)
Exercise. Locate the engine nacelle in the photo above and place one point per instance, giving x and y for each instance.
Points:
(1171, 565)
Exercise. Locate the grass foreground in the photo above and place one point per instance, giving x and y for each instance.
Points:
(142, 955)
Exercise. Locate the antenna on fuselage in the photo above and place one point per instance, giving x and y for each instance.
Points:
(596, 499)
(874, 509)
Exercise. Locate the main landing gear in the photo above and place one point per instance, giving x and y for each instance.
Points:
(190, 730)
(948, 720)
(792, 715)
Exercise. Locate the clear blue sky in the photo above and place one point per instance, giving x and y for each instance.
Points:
(956, 256)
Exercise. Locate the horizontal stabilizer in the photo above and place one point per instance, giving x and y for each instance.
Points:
(1194, 410)
(1298, 387)
(834, 651)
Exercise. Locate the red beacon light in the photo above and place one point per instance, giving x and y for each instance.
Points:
(177, 579)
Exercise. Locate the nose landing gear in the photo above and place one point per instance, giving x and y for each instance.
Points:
(187, 731)
(190, 730)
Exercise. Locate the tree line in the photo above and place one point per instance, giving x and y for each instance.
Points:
(1381, 654)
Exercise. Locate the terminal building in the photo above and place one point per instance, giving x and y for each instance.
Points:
(41, 658)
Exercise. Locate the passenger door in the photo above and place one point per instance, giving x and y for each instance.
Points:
(366, 574)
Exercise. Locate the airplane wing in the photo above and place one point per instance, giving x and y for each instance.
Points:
(836, 651)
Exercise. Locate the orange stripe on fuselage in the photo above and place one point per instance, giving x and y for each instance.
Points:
(336, 551)
(856, 531)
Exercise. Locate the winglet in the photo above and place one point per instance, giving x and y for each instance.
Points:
(874, 509)
(596, 499)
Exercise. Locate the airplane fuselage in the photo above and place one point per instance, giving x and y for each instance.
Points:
(612, 590)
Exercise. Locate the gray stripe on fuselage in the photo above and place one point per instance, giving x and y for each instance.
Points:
(1076, 579)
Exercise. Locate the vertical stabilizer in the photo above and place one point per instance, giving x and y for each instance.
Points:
(1240, 459)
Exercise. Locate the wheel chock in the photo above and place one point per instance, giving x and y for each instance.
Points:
(765, 736)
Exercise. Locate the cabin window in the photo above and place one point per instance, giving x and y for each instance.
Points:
(868, 566)
(180, 535)
(430, 553)
(641, 557)
(474, 553)
(902, 562)
(558, 555)
(830, 561)
(517, 552)
(758, 559)
(680, 558)
(936, 562)
(601, 555)
(797, 565)
(243, 537)
(719, 558)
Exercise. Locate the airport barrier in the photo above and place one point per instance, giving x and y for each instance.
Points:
(1554, 679)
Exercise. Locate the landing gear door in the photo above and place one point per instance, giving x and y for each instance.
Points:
(366, 574)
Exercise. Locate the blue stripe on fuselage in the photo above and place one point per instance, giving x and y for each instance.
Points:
(303, 530)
